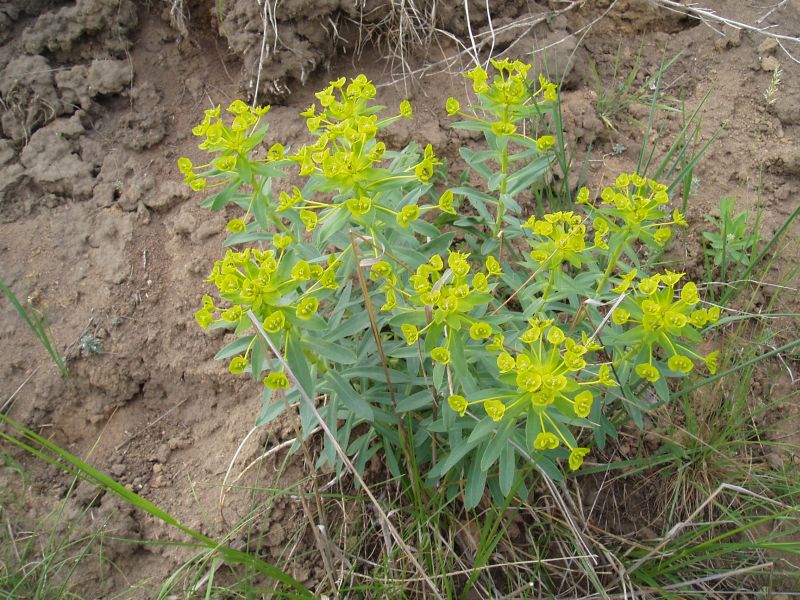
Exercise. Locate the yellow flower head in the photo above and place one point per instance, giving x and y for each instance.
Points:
(495, 409)
(237, 365)
(236, 225)
(452, 107)
(457, 404)
(576, 458)
(648, 372)
(583, 403)
(711, 361)
(546, 441)
(446, 202)
(277, 381)
(307, 308)
(441, 355)
(505, 362)
(410, 332)
(480, 330)
(405, 109)
(681, 363)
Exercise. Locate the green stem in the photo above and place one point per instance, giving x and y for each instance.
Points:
(550, 281)
(611, 264)
(501, 207)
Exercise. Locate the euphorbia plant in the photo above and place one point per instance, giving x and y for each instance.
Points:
(470, 342)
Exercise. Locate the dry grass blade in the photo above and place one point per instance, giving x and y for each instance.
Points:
(478, 41)
(707, 15)
(343, 456)
(672, 533)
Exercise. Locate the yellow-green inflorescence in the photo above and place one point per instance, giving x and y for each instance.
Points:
(348, 157)
(282, 290)
(633, 209)
(657, 317)
(508, 97)
(549, 381)
(231, 143)
(444, 295)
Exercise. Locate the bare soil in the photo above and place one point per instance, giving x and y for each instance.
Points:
(97, 99)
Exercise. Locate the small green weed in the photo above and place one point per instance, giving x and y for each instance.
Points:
(616, 97)
(771, 93)
(37, 323)
(733, 241)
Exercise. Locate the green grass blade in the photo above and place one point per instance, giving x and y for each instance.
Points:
(70, 463)
(37, 326)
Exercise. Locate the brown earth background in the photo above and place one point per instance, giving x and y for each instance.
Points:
(97, 100)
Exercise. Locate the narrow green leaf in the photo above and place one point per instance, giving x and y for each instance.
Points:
(496, 446)
(234, 348)
(296, 359)
(345, 392)
(332, 351)
(415, 401)
(508, 469)
(476, 482)
(270, 409)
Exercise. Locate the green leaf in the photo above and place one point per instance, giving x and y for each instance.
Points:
(407, 255)
(662, 389)
(377, 374)
(460, 367)
(547, 465)
(331, 225)
(632, 409)
(296, 359)
(422, 399)
(234, 348)
(451, 460)
(345, 392)
(332, 351)
(508, 469)
(341, 305)
(424, 228)
(476, 159)
(255, 138)
(217, 201)
(260, 203)
(496, 446)
(476, 482)
(259, 361)
(525, 178)
(483, 429)
(532, 428)
(251, 235)
(269, 410)
(495, 181)
(472, 126)
(438, 245)
(391, 459)
(354, 324)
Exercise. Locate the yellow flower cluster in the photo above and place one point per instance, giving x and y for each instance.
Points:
(660, 318)
(232, 142)
(445, 292)
(281, 290)
(544, 379)
(508, 96)
(346, 127)
(633, 207)
(561, 238)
